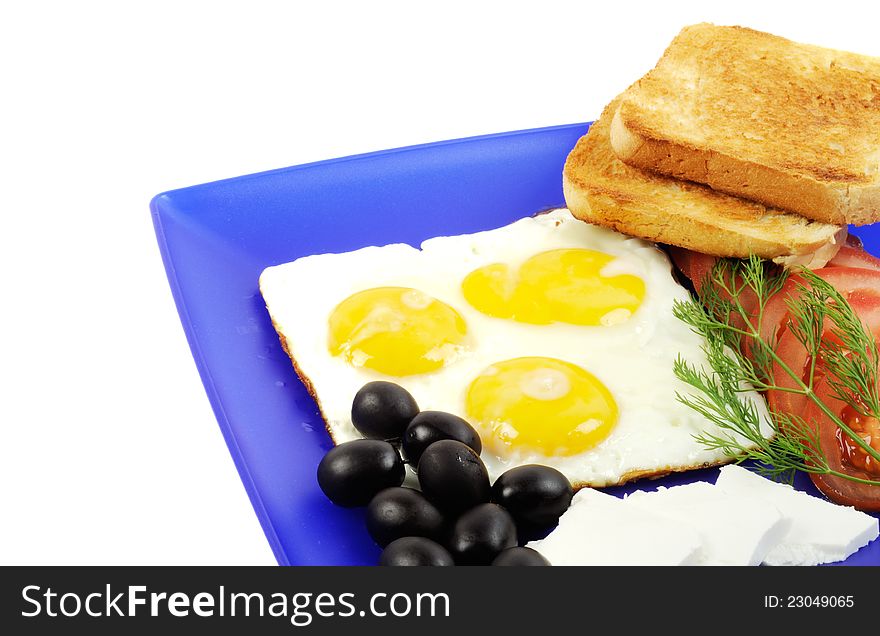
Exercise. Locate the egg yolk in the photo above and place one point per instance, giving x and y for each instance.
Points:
(540, 404)
(556, 286)
(398, 331)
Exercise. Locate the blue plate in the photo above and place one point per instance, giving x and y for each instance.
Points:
(216, 238)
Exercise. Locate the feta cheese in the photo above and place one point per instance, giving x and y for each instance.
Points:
(734, 529)
(600, 529)
(820, 532)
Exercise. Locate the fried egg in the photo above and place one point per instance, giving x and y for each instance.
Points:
(554, 338)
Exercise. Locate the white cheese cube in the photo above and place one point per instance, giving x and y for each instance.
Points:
(735, 530)
(600, 529)
(820, 531)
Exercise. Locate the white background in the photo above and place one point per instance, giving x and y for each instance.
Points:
(109, 450)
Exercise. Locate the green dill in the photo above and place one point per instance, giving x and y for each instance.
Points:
(741, 357)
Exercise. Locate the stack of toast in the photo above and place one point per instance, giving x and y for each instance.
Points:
(737, 143)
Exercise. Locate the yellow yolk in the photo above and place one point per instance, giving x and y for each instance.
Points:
(557, 286)
(542, 404)
(398, 331)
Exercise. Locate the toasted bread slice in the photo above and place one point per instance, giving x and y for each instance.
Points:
(601, 189)
(791, 125)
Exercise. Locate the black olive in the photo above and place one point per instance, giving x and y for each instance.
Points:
(431, 426)
(453, 477)
(535, 495)
(518, 556)
(381, 410)
(481, 534)
(403, 512)
(352, 473)
(415, 551)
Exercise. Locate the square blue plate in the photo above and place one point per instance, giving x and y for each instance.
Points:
(216, 238)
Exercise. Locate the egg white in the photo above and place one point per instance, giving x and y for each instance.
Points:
(655, 433)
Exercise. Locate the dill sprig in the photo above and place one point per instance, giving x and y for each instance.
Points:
(741, 358)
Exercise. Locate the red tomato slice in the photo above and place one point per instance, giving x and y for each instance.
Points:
(776, 311)
(697, 267)
(856, 275)
(852, 254)
(684, 260)
(843, 453)
(861, 288)
(795, 357)
(858, 286)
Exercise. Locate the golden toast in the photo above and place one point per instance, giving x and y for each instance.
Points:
(793, 126)
(601, 189)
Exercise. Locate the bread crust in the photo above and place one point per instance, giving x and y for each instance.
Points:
(601, 189)
(713, 111)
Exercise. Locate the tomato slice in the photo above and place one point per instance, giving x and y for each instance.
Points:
(861, 288)
(696, 267)
(776, 311)
(856, 275)
(693, 265)
(843, 454)
(794, 355)
(853, 254)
